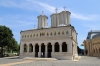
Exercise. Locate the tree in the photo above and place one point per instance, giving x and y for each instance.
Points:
(82, 44)
(5, 37)
(13, 46)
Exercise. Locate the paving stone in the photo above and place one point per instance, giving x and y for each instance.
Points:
(84, 61)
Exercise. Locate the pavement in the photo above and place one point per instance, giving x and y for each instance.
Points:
(84, 61)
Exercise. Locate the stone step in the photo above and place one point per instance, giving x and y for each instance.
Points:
(40, 59)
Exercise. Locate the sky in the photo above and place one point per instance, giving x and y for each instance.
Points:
(21, 15)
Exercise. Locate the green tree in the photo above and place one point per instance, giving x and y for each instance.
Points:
(13, 46)
(5, 37)
(82, 44)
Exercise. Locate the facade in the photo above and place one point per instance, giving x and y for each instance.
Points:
(58, 41)
(92, 44)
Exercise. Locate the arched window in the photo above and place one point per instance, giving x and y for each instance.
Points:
(25, 48)
(40, 34)
(63, 33)
(66, 32)
(30, 48)
(64, 47)
(37, 35)
(56, 47)
(59, 33)
(27, 35)
(55, 33)
(34, 35)
(47, 34)
(51, 33)
(31, 35)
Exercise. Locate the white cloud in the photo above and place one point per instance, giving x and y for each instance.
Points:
(73, 15)
(92, 17)
(36, 5)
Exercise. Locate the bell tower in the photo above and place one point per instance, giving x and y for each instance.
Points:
(42, 21)
(64, 17)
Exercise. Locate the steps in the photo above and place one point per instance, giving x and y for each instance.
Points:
(40, 59)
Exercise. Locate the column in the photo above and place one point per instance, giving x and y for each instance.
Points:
(60, 47)
(39, 54)
(34, 50)
(21, 49)
(52, 47)
(27, 48)
(45, 50)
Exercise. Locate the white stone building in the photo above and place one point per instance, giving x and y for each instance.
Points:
(59, 41)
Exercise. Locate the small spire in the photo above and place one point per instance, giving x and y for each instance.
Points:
(42, 12)
(56, 10)
(64, 8)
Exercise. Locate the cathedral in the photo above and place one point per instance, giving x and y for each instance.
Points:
(58, 41)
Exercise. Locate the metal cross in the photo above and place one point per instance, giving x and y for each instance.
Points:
(56, 10)
(42, 12)
(64, 8)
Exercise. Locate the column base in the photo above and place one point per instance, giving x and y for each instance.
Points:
(39, 54)
(45, 54)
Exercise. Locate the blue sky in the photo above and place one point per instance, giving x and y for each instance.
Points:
(22, 14)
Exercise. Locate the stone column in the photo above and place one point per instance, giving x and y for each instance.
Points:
(45, 50)
(39, 53)
(60, 47)
(34, 50)
(52, 47)
(21, 49)
(27, 48)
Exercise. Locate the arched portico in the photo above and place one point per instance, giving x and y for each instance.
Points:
(56, 46)
(30, 48)
(42, 50)
(36, 50)
(64, 47)
(25, 47)
(49, 47)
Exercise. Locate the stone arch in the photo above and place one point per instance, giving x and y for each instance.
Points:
(56, 47)
(42, 50)
(64, 47)
(25, 47)
(49, 46)
(30, 48)
(42, 47)
(36, 49)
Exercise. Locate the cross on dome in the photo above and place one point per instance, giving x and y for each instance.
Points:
(56, 10)
(64, 8)
(42, 12)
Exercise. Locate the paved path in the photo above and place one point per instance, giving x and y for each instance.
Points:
(84, 61)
